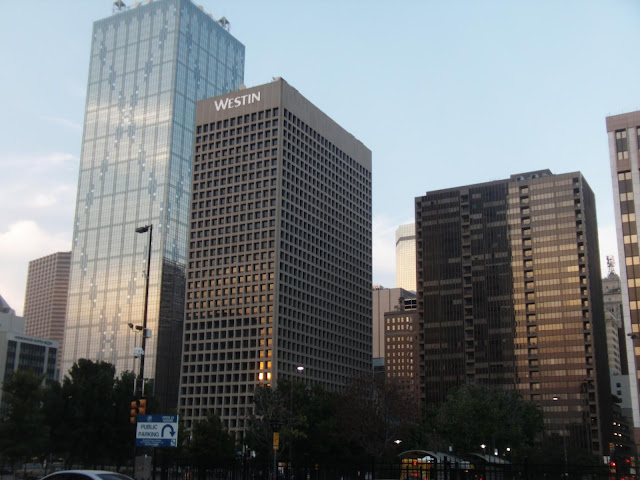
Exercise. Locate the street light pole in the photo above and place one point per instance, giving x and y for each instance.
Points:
(564, 442)
(146, 228)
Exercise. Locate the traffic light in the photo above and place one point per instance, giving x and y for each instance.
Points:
(142, 406)
(138, 407)
(133, 411)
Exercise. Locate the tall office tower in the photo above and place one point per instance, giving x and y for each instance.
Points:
(510, 294)
(45, 302)
(279, 272)
(148, 67)
(624, 156)
(387, 300)
(406, 257)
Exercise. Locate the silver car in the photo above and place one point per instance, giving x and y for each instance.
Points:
(86, 475)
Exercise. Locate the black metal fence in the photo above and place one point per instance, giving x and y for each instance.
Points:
(253, 470)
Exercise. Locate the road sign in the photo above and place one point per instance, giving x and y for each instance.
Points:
(157, 431)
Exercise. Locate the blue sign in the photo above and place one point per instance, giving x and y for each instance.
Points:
(157, 431)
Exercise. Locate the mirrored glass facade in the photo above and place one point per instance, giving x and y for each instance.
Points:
(149, 66)
(510, 295)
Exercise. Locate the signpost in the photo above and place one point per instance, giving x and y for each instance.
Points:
(157, 431)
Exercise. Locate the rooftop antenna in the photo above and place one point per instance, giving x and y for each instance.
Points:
(118, 6)
(611, 265)
(224, 23)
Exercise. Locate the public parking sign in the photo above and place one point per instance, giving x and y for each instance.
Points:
(157, 431)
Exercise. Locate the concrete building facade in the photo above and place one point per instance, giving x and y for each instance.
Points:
(623, 133)
(45, 301)
(401, 360)
(406, 257)
(387, 300)
(279, 267)
(23, 352)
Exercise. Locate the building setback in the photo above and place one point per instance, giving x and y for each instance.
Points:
(510, 295)
(45, 302)
(624, 142)
(148, 67)
(279, 268)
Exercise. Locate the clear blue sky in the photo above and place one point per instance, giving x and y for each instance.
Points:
(444, 93)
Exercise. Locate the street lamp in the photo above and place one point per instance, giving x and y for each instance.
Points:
(275, 424)
(299, 369)
(555, 398)
(146, 228)
(137, 352)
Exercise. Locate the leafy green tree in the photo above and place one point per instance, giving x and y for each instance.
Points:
(475, 414)
(90, 412)
(124, 431)
(324, 440)
(22, 430)
(55, 412)
(211, 445)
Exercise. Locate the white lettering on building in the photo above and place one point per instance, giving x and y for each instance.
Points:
(236, 102)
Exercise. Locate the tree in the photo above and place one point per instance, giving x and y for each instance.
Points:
(211, 445)
(22, 430)
(90, 405)
(475, 414)
(268, 409)
(374, 413)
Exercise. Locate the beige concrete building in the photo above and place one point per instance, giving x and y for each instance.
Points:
(279, 255)
(406, 257)
(45, 302)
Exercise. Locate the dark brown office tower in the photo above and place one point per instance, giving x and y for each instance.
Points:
(279, 258)
(624, 156)
(45, 302)
(510, 295)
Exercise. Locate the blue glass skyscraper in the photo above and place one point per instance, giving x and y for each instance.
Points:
(149, 66)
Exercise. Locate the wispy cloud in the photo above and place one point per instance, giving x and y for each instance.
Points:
(19, 244)
(38, 163)
(63, 122)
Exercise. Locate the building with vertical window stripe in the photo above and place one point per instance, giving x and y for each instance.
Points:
(149, 65)
(279, 257)
(510, 295)
(624, 142)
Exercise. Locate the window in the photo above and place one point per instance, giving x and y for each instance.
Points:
(621, 145)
